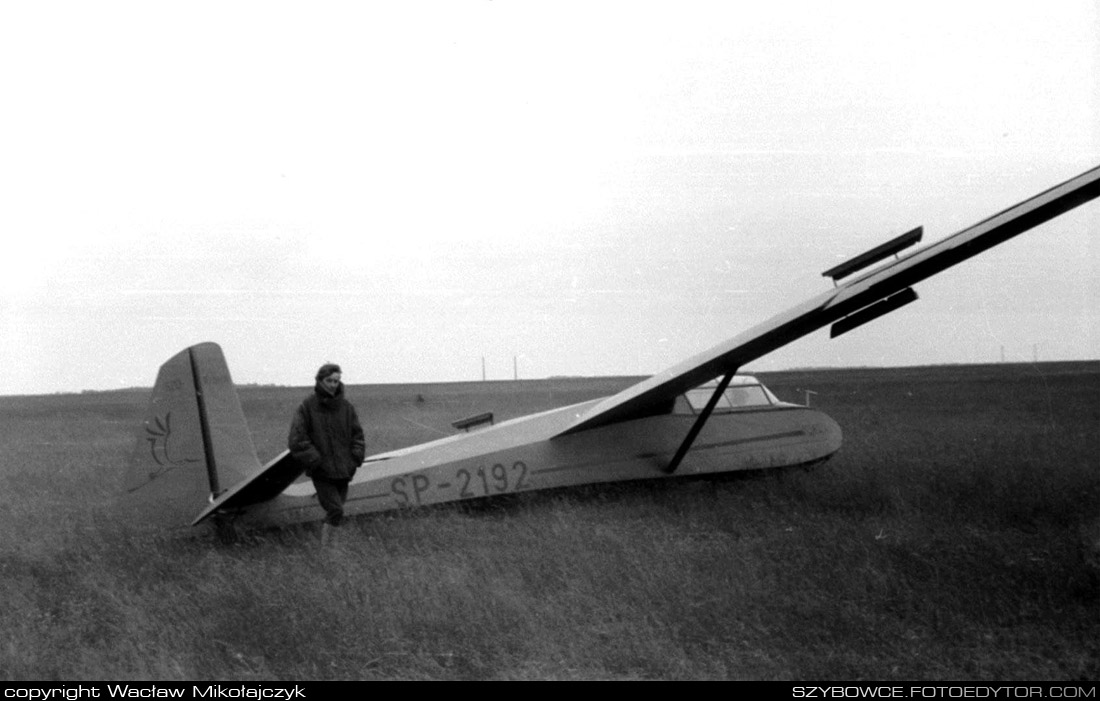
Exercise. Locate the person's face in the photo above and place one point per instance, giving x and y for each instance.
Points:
(331, 382)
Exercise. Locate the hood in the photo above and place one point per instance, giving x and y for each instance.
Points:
(326, 399)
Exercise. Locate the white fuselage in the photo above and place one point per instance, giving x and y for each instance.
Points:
(519, 456)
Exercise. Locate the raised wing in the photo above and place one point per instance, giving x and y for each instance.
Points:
(848, 305)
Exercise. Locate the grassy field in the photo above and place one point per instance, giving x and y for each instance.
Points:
(944, 541)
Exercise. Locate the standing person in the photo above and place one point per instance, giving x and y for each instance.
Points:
(327, 439)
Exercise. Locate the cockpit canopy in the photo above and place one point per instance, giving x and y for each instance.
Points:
(744, 392)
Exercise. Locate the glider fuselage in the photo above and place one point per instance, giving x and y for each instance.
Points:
(529, 453)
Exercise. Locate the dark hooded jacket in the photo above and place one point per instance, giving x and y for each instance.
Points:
(326, 436)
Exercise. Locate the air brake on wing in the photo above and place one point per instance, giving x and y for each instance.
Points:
(864, 260)
(473, 421)
(874, 255)
(872, 312)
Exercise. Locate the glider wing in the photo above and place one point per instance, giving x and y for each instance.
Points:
(848, 305)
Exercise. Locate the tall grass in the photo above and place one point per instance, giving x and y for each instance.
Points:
(942, 542)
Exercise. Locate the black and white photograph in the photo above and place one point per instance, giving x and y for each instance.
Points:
(550, 341)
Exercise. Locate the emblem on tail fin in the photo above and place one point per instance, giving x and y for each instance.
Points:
(194, 437)
(159, 438)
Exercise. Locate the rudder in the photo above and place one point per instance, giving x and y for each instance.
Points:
(193, 445)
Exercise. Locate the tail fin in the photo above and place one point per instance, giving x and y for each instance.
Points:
(194, 443)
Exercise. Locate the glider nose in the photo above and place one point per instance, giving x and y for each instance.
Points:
(829, 433)
(821, 435)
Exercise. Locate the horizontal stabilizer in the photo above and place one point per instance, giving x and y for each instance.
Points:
(267, 484)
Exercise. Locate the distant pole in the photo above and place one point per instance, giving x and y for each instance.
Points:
(483, 368)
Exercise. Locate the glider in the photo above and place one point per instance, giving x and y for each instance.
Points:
(194, 457)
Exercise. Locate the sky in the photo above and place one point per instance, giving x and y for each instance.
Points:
(562, 188)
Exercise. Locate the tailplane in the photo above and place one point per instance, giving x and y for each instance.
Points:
(193, 445)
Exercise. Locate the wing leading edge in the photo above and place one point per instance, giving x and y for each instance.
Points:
(853, 301)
